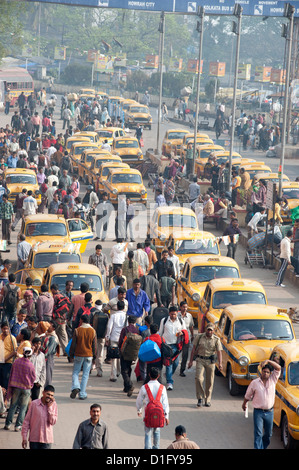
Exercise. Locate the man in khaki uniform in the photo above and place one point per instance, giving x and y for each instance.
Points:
(206, 346)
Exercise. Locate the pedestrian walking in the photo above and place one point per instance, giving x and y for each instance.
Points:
(99, 323)
(262, 393)
(181, 440)
(7, 218)
(20, 383)
(170, 329)
(83, 351)
(38, 360)
(23, 250)
(155, 415)
(8, 347)
(99, 259)
(206, 350)
(39, 421)
(103, 212)
(61, 314)
(44, 304)
(49, 347)
(285, 257)
(189, 323)
(138, 301)
(93, 432)
(128, 344)
(232, 233)
(116, 323)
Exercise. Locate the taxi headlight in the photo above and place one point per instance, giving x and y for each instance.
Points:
(162, 237)
(181, 265)
(143, 192)
(196, 297)
(37, 192)
(114, 191)
(243, 361)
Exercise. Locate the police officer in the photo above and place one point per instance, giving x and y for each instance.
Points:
(206, 349)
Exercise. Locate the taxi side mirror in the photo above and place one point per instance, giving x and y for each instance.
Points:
(184, 279)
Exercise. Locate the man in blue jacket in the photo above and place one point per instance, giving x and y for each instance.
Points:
(138, 302)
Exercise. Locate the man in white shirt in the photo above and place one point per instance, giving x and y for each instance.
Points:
(120, 222)
(103, 212)
(141, 257)
(115, 324)
(29, 204)
(285, 257)
(170, 329)
(50, 192)
(106, 145)
(175, 261)
(143, 400)
(52, 177)
(252, 224)
(118, 253)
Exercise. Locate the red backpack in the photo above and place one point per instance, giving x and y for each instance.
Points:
(154, 414)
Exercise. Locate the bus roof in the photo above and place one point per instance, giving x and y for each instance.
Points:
(15, 74)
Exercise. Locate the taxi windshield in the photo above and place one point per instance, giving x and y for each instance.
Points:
(43, 260)
(252, 173)
(129, 144)
(94, 281)
(177, 220)
(138, 109)
(176, 135)
(206, 153)
(206, 246)
(79, 150)
(126, 178)
(89, 157)
(245, 330)
(104, 134)
(293, 373)
(46, 228)
(100, 161)
(21, 179)
(222, 299)
(71, 142)
(291, 193)
(207, 273)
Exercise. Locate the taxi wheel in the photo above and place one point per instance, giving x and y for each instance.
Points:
(287, 440)
(233, 387)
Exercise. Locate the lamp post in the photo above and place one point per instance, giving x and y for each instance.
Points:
(289, 11)
(161, 30)
(199, 29)
(237, 30)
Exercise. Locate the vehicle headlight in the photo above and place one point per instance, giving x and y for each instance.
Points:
(181, 265)
(114, 191)
(143, 192)
(162, 237)
(243, 361)
(37, 192)
(196, 297)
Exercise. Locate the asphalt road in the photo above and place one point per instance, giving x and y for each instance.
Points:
(222, 426)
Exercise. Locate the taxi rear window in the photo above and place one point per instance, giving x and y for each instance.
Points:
(207, 273)
(94, 282)
(43, 260)
(46, 228)
(222, 299)
(245, 330)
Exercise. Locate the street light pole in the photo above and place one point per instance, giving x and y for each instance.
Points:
(199, 28)
(161, 29)
(289, 11)
(237, 30)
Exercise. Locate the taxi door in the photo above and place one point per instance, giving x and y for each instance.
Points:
(79, 232)
(223, 331)
(36, 274)
(182, 284)
(204, 306)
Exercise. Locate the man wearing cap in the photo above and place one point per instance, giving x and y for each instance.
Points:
(206, 348)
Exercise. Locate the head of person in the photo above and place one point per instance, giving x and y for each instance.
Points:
(48, 394)
(88, 297)
(154, 373)
(173, 313)
(120, 305)
(121, 293)
(180, 431)
(5, 328)
(266, 371)
(154, 328)
(148, 320)
(99, 249)
(69, 285)
(36, 344)
(209, 329)
(136, 285)
(84, 287)
(84, 319)
(95, 412)
(132, 319)
(183, 307)
(54, 289)
(164, 254)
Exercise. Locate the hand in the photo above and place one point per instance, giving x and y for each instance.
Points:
(24, 443)
(190, 364)
(139, 415)
(220, 367)
(166, 421)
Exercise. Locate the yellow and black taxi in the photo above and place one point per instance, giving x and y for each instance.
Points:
(248, 334)
(286, 406)
(186, 243)
(168, 219)
(127, 103)
(222, 156)
(87, 159)
(126, 181)
(99, 158)
(110, 133)
(75, 139)
(172, 141)
(59, 273)
(52, 227)
(138, 114)
(43, 254)
(103, 173)
(128, 149)
(91, 135)
(257, 167)
(77, 150)
(18, 178)
(199, 142)
(274, 177)
(197, 272)
(87, 92)
(220, 293)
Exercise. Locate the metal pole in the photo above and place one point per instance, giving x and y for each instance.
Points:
(199, 28)
(161, 59)
(237, 12)
(290, 10)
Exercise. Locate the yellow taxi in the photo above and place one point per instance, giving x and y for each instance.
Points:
(18, 178)
(220, 293)
(99, 158)
(290, 191)
(286, 406)
(116, 99)
(248, 334)
(257, 167)
(197, 272)
(87, 92)
(110, 133)
(168, 219)
(221, 156)
(190, 140)
(75, 139)
(186, 242)
(127, 103)
(77, 150)
(93, 136)
(172, 141)
(126, 181)
(43, 254)
(103, 173)
(271, 177)
(87, 159)
(204, 151)
(138, 113)
(59, 273)
(52, 227)
(128, 149)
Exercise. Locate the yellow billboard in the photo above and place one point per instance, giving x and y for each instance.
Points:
(244, 71)
(60, 53)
